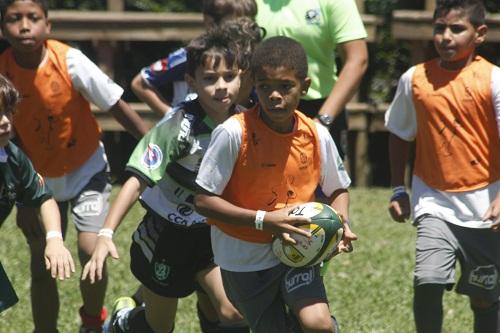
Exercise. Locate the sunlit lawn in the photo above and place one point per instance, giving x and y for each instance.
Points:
(370, 290)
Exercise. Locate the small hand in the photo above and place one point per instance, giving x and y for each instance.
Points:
(58, 259)
(281, 224)
(399, 207)
(94, 267)
(493, 213)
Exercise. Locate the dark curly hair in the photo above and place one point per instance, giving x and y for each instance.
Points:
(278, 52)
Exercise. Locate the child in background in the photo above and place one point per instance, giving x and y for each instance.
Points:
(57, 130)
(451, 107)
(149, 84)
(171, 252)
(259, 165)
(20, 182)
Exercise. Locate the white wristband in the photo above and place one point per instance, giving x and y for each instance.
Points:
(106, 232)
(259, 220)
(53, 234)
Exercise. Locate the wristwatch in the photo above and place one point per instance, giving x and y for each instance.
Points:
(325, 120)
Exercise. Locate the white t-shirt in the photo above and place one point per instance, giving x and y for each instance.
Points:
(99, 89)
(460, 208)
(233, 254)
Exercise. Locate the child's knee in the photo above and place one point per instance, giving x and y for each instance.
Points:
(317, 322)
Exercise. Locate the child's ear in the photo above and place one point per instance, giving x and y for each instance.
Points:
(49, 26)
(189, 80)
(481, 33)
(305, 86)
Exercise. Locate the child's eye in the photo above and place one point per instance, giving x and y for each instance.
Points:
(438, 28)
(229, 77)
(12, 18)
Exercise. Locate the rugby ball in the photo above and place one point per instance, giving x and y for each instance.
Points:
(326, 230)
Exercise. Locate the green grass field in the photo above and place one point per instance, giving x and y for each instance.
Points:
(370, 290)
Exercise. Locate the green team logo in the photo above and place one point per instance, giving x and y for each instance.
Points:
(161, 271)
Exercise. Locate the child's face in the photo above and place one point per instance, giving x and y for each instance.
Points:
(25, 26)
(5, 126)
(217, 86)
(455, 38)
(279, 91)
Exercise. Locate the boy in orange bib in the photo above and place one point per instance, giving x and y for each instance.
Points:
(259, 165)
(57, 130)
(451, 107)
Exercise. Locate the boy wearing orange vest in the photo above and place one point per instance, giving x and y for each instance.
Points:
(451, 107)
(56, 129)
(259, 165)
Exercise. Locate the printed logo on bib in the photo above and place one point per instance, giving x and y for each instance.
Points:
(295, 279)
(89, 204)
(313, 16)
(484, 277)
(152, 157)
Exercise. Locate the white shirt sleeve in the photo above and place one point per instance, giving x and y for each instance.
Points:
(333, 175)
(91, 82)
(495, 92)
(400, 117)
(218, 163)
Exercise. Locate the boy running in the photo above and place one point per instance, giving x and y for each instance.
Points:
(259, 165)
(171, 252)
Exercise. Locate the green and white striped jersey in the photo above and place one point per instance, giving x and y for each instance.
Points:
(168, 158)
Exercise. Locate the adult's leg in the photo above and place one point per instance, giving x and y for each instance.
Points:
(428, 307)
(44, 295)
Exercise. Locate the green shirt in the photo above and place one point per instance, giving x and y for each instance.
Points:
(19, 181)
(168, 158)
(319, 25)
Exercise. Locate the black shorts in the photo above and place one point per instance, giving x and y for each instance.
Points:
(165, 257)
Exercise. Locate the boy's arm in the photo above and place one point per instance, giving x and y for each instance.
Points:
(126, 198)
(129, 119)
(57, 257)
(277, 222)
(149, 95)
(399, 206)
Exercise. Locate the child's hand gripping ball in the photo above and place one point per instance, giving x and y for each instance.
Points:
(326, 230)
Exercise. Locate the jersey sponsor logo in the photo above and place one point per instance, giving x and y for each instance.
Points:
(295, 279)
(485, 277)
(90, 203)
(153, 156)
(184, 210)
(185, 127)
(313, 16)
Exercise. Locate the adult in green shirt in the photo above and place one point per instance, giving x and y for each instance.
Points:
(19, 183)
(323, 27)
